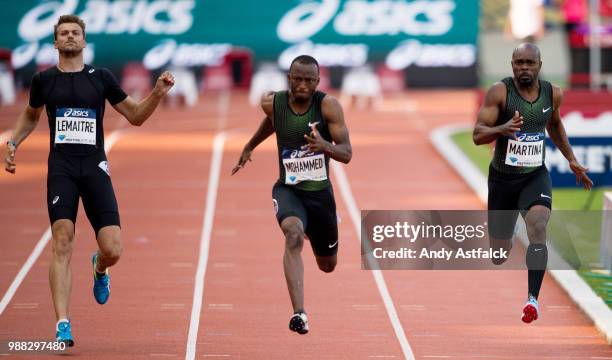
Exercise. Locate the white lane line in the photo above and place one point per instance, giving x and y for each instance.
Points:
(349, 200)
(44, 240)
(209, 214)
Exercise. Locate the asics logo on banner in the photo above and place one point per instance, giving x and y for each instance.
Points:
(76, 113)
(528, 137)
(110, 17)
(367, 18)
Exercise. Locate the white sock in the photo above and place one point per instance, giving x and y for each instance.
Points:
(59, 321)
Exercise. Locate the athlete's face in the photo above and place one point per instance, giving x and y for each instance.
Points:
(303, 80)
(526, 66)
(70, 39)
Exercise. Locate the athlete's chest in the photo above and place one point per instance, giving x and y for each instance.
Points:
(293, 127)
(75, 90)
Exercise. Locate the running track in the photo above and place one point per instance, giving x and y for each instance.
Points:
(190, 227)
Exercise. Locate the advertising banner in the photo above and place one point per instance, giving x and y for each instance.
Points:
(403, 34)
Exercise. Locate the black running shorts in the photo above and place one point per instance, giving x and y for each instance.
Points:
(70, 177)
(513, 193)
(316, 210)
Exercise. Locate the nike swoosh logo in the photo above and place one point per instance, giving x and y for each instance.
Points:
(545, 110)
(313, 124)
(334, 244)
(545, 196)
(91, 71)
(536, 250)
(55, 199)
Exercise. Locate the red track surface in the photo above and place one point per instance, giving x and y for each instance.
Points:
(160, 173)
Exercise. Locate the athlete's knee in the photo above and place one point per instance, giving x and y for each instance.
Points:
(294, 239)
(110, 244)
(63, 236)
(536, 229)
(112, 253)
(294, 234)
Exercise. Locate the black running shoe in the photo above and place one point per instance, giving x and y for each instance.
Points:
(299, 323)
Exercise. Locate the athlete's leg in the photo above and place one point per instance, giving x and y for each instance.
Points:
(536, 197)
(60, 274)
(110, 248)
(293, 229)
(537, 252)
(502, 214)
(322, 228)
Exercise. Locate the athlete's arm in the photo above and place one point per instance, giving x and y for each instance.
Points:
(25, 125)
(485, 130)
(340, 149)
(265, 129)
(557, 134)
(138, 112)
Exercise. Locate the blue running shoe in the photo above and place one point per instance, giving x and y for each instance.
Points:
(64, 333)
(531, 310)
(101, 288)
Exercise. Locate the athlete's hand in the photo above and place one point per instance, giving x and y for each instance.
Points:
(164, 82)
(244, 157)
(581, 174)
(9, 159)
(512, 126)
(315, 142)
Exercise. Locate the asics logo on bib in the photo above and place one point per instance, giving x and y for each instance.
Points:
(528, 136)
(300, 153)
(76, 112)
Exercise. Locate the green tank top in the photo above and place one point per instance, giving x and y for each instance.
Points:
(303, 169)
(527, 153)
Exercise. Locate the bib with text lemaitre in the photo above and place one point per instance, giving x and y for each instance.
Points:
(75, 126)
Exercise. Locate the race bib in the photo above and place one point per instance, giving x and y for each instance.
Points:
(75, 126)
(302, 165)
(526, 151)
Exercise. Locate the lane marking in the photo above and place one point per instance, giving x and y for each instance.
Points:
(351, 204)
(209, 214)
(109, 142)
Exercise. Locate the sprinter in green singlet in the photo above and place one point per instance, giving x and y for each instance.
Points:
(310, 129)
(515, 113)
